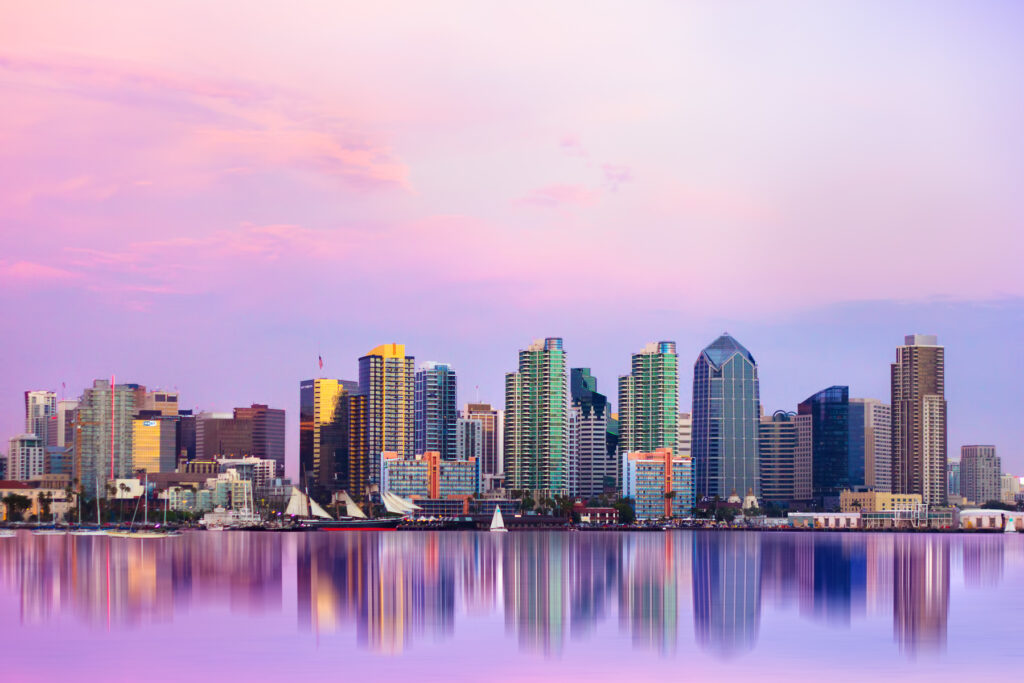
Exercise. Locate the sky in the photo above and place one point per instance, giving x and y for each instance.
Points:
(207, 197)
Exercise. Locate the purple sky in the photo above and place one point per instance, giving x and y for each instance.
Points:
(207, 197)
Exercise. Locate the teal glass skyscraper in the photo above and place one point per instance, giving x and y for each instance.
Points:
(435, 411)
(726, 416)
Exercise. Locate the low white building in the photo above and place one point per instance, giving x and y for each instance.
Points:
(825, 520)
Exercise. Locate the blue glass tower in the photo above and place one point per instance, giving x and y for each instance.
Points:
(830, 429)
(435, 412)
(726, 417)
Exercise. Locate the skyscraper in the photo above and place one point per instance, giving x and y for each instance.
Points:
(830, 461)
(649, 399)
(684, 435)
(953, 479)
(267, 433)
(492, 463)
(919, 419)
(25, 458)
(595, 467)
(154, 440)
(871, 443)
(784, 455)
(980, 474)
(537, 420)
(435, 410)
(726, 414)
(387, 379)
(220, 435)
(469, 439)
(103, 434)
(333, 452)
(40, 412)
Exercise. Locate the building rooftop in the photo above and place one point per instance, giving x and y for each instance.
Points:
(724, 348)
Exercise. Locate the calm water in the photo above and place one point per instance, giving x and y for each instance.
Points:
(462, 605)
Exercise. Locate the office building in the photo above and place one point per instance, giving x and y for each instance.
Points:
(387, 379)
(537, 420)
(154, 439)
(953, 480)
(333, 437)
(186, 437)
(878, 501)
(980, 474)
(220, 435)
(919, 419)
(428, 475)
(163, 402)
(469, 439)
(649, 399)
(684, 434)
(595, 467)
(660, 484)
(267, 433)
(871, 443)
(1010, 488)
(492, 463)
(831, 470)
(67, 413)
(435, 411)
(726, 419)
(25, 459)
(103, 434)
(785, 458)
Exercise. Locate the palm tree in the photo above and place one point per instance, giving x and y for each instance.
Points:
(124, 491)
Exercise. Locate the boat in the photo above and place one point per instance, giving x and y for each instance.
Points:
(215, 527)
(49, 531)
(497, 522)
(356, 519)
(8, 533)
(90, 530)
(1009, 525)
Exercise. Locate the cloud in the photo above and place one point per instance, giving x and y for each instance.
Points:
(616, 175)
(27, 271)
(554, 196)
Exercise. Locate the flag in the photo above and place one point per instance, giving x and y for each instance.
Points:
(321, 359)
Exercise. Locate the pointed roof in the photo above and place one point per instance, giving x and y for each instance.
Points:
(724, 348)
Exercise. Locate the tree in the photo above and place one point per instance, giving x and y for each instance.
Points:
(625, 507)
(16, 506)
(45, 505)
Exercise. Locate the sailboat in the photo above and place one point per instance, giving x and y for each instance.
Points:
(51, 530)
(1009, 525)
(356, 519)
(143, 532)
(497, 523)
(90, 531)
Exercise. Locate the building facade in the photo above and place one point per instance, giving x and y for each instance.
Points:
(785, 458)
(333, 437)
(154, 439)
(537, 420)
(831, 469)
(387, 379)
(649, 399)
(435, 409)
(684, 434)
(25, 458)
(660, 484)
(428, 475)
(221, 435)
(267, 432)
(469, 439)
(726, 419)
(953, 480)
(491, 421)
(596, 467)
(918, 379)
(981, 473)
(103, 434)
(871, 442)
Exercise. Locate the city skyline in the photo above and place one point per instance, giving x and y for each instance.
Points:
(226, 209)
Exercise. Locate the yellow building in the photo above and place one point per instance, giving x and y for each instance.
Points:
(877, 501)
(153, 444)
(332, 436)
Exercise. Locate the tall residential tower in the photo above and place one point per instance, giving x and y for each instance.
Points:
(919, 419)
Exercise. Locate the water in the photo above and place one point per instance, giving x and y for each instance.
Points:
(518, 606)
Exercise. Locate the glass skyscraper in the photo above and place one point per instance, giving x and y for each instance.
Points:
(726, 417)
(435, 410)
(830, 428)
(332, 437)
(537, 420)
(596, 467)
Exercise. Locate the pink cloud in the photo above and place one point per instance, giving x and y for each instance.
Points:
(27, 271)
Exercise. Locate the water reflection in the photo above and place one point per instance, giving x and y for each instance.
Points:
(390, 591)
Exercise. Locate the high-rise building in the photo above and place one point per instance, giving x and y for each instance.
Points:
(435, 410)
(428, 475)
(67, 412)
(220, 435)
(980, 474)
(830, 459)
(40, 416)
(537, 420)
(649, 399)
(491, 459)
(387, 379)
(871, 443)
(726, 417)
(919, 419)
(684, 435)
(25, 459)
(596, 468)
(185, 447)
(1010, 489)
(103, 434)
(154, 439)
(333, 437)
(784, 454)
(267, 433)
(660, 484)
(953, 480)
(469, 439)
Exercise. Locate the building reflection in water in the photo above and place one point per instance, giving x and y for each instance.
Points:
(389, 591)
(727, 590)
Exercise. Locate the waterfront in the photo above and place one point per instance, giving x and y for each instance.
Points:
(462, 605)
